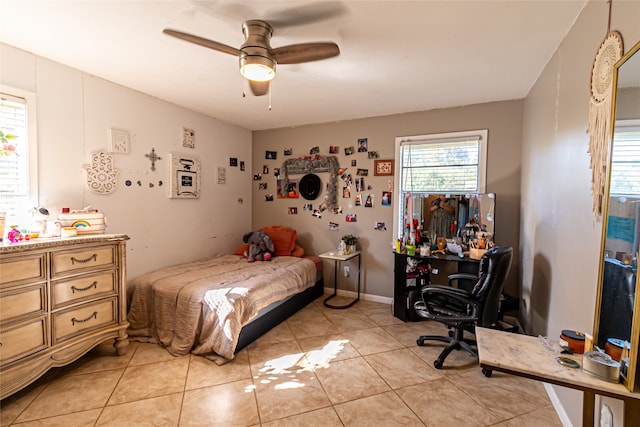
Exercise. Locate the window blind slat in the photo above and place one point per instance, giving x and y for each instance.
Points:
(437, 166)
(625, 162)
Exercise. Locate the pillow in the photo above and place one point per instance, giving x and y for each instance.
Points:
(298, 251)
(242, 249)
(283, 238)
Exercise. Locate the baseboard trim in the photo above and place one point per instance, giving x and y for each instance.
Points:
(557, 405)
(363, 296)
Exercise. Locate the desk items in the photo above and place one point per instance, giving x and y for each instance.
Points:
(574, 339)
(595, 362)
(601, 365)
(566, 361)
(85, 221)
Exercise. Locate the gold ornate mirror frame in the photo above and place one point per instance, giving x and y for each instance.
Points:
(633, 375)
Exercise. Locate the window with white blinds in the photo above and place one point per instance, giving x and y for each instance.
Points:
(625, 161)
(451, 163)
(18, 191)
(445, 163)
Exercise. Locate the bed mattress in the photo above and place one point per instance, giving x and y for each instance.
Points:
(200, 307)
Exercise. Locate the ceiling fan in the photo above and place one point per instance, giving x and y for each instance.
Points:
(258, 59)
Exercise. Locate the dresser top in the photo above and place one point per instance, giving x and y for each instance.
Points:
(7, 247)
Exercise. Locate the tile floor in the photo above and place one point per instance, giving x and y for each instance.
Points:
(322, 367)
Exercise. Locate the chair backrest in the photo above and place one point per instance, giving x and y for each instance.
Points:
(494, 268)
(616, 306)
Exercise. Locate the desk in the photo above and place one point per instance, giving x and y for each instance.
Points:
(525, 356)
(336, 260)
(404, 297)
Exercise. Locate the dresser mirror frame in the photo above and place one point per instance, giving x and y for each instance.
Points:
(619, 76)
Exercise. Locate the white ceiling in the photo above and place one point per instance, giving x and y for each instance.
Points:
(396, 56)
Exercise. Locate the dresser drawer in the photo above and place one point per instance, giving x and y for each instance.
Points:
(90, 258)
(23, 269)
(22, 340)
(82, 288)
(87, 317)
(23, 302)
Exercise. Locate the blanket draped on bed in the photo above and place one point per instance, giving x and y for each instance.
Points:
(200, 307)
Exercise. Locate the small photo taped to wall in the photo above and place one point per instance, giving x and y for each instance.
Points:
(380, 226)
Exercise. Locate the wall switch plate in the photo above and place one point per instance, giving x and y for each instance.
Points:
(346, 271)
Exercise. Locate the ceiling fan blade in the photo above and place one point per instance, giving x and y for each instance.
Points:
(259, 88)
(306, 14)
(203, 42)
(305, 52)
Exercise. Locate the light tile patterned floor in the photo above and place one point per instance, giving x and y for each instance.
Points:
(322, 367)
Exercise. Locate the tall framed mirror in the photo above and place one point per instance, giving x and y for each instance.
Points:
(617, 315)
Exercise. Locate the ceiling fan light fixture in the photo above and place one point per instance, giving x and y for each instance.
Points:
(257, 68)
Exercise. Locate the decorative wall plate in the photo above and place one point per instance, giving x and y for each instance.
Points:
(102, 177)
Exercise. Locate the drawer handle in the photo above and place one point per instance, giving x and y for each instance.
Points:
(93, 285)
(74, 320)
(93, 257)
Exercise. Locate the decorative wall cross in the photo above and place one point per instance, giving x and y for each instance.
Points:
(153, 157)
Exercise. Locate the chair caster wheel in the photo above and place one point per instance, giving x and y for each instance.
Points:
(420, 342)
(437, 364)
(487, 372)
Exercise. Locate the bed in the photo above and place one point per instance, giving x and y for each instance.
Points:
(217, 306)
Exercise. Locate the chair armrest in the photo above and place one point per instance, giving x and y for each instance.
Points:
(439, 302)
(445, 290)
(462, 276)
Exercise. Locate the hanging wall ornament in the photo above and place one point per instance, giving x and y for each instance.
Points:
(609, 53)
(101, 175)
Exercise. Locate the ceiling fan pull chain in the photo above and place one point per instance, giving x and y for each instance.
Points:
(244, 88)
(269, 97)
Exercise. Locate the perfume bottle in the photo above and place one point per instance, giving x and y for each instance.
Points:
(342, 248)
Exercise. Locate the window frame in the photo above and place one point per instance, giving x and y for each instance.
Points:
(626, 125)
(30, 199)
(481, 134)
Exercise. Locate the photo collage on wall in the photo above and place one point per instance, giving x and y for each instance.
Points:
(352, 189)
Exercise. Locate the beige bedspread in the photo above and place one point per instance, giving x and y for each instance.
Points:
(200, 307)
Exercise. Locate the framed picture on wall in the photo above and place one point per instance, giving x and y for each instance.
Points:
(185, 176)
(382, 167)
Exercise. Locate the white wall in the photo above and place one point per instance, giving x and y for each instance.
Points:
(75, 111)
(560, 241)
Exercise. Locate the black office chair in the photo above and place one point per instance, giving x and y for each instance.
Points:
(464, 310)
(616, 306)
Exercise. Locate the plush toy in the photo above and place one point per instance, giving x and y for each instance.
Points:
(260, 246)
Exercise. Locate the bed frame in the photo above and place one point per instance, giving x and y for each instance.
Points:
(263, 324)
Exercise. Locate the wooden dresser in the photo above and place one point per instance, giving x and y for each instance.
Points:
(59, 298)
